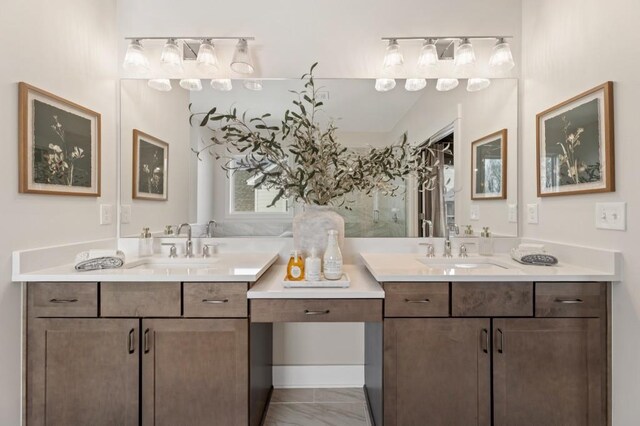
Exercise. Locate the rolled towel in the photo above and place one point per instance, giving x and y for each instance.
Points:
(99, 259)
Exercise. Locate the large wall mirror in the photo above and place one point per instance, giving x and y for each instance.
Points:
(163, 182)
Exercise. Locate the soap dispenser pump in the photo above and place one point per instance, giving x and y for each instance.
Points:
(145, 244)
(485, 245)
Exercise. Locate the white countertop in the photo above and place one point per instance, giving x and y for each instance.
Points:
(386, 267)
(231, 267)
(363, 286)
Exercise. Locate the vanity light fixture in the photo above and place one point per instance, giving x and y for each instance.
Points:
(135, 60)
(393, 56)
(222, 84)
(385, 84)
(191, 84)
(428, 55)
(255, 85)
(465, 55)
(171, 58)
(241, 62)
(501, 57)
(207, 60)
(160, 84)
(415, 84)
(446, 84)
(477, 84)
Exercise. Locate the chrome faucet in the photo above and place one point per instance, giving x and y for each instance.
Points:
(189, 244)
(447, 243)
(427, 225)
(210, 226)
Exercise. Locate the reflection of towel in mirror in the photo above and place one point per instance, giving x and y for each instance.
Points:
(99, 259)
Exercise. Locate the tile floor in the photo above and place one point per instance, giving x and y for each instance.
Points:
(318, 407)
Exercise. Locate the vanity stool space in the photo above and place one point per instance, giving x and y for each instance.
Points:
(129, 353)
(501, 353)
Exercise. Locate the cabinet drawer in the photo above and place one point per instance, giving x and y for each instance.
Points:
(316, 310)
(570, 299)
(492, 299)
(63, 299)
(215, 300)
(140, 299)
(416, 299)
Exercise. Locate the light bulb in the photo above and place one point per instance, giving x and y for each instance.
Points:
(171, 58)
(161, 84)
(428, 55)
(393, 56)
(477, 84)
(222, 84)
(446, 84)
(207, 60)
(191, 84)
(135, 60)
(415, 84)
(465, 56)
(255, 85)
(385, 84)
(501, 57)
(241, 62)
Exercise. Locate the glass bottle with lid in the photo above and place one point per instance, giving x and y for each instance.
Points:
(332, 260)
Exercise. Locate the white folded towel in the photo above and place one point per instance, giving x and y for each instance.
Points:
(92, 260)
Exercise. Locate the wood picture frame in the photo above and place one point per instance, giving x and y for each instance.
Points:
(150, 167)
(59, 149)
(575, 145)
(489, 167)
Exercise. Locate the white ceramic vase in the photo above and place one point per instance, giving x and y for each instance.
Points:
(311, 226)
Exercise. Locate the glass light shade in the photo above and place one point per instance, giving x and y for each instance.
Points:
(446, 84)
(465, 54)
(191, 84)
(171, 57)
(501, 57)
(255, 85)
(241, 62)
(477, 84)
(415, 84)
(207, 59)
(222, 84)
(135, 60)
(428, 55)
(161, 84)
(385, 84)
(393, 56)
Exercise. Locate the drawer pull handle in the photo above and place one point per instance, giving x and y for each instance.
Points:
(500, 341)
(308, 312)
(63, 300)
(132, 344)
(485, 340)
(417, 300)
(215, 301)
(146, 341)
(569, 301)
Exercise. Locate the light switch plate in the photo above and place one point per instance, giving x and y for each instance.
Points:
(513, 213)
(474, 213)
(106, 214)
(611, 216)
(125, 213)
(532, 213)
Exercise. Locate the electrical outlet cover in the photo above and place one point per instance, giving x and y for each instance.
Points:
(513, 213)
(474, 213)
(532, 213)
(125, 213)
(611, 216)
(106, 214)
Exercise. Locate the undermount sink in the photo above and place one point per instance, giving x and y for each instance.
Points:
(461, 263)
(173, 263)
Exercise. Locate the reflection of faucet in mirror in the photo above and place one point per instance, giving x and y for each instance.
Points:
(210, 227)
(189, 244)
(427, 225)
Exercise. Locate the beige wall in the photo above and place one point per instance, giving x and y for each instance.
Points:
(67, 47)
(571, 46)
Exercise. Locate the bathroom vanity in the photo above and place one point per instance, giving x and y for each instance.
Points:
(456, 341)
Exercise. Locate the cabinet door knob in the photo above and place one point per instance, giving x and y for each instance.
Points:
(308, 312)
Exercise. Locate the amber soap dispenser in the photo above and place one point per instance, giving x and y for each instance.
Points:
(295, 268)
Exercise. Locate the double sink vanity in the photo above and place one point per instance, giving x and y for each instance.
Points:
(448, 341)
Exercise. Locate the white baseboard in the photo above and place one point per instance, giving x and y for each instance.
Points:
(318, 376)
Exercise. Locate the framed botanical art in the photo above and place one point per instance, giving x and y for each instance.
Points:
(150, 167)
(489, 167)
(575, 145)
(59, 149)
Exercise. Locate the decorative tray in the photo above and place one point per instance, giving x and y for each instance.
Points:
(343, 282)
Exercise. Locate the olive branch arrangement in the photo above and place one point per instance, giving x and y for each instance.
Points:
(303, 160)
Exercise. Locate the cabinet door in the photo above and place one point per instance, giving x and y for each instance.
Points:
(195, 372)
(82, 372)
(437, 372)
(548, 372)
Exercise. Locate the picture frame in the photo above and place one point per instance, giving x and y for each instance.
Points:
(489, 167)
(575, 145)
(59, 145)
(150, 167)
